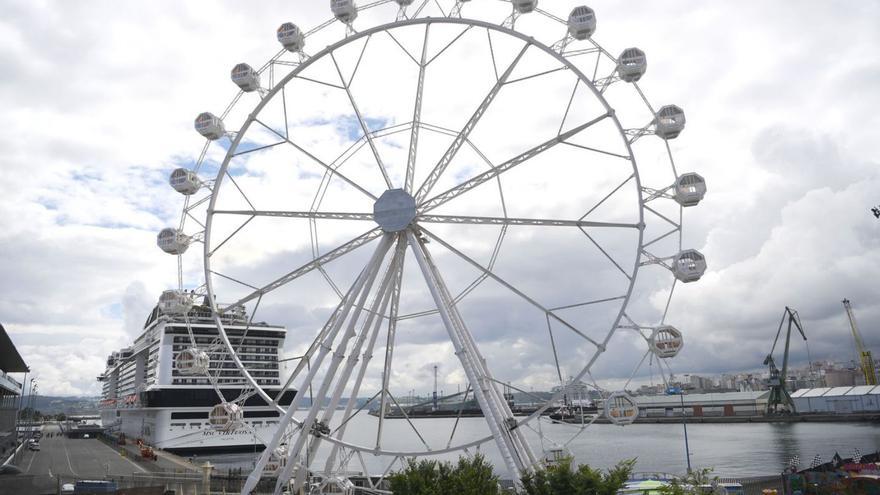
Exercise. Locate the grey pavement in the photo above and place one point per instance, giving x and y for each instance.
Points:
(88, 458)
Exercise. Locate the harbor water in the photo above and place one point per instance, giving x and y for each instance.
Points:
(733, 450)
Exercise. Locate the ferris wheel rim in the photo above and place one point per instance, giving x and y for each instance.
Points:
(279, 85)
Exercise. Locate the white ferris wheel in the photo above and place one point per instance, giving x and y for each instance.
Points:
(491, 195)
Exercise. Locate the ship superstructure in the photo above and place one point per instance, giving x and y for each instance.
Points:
(146, 396)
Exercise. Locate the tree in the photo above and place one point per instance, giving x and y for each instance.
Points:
(470, 476)
(562, 479)
(699, 481)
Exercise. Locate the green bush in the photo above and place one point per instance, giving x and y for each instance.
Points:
(561, 479)
(470, 476)
(698, 482)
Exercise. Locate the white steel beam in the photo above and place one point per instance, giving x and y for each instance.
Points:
(515, 460)
(308, 267)
(464, 187)
(465, 132)
(326, 346)
(293, 454)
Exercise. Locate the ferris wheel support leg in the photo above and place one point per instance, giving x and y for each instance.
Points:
(380, 303)
(293, 454)
(505, 411)
(476, 374)
(324, 349)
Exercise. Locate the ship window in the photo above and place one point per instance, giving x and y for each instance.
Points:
(195, 425)
(178, 425)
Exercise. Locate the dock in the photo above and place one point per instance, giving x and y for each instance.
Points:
(62, 460)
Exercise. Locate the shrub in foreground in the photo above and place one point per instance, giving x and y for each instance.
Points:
(470, 476)
(562, 479)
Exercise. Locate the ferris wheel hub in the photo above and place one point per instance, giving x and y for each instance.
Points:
(395, 210)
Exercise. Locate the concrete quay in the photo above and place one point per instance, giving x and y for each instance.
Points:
(62, 460)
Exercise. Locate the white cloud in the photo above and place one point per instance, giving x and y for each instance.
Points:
(98, 106)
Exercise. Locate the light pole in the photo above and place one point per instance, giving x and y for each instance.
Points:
(687, 449)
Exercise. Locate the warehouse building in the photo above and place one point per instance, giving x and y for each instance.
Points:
(837, 400)
(703, 405)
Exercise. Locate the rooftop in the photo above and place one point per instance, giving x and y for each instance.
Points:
(10, 360)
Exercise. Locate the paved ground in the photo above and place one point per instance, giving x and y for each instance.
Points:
(88, 458)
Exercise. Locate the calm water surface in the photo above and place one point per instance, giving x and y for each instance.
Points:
(734, 450)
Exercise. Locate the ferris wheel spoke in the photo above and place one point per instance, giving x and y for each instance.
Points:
(316, 81)
(604, 252)
(466, 186)
(458, 219)
(613, 191)
(597, 150)
(308, 267)
(508, 286)
(357, 112)
(317, 215)
(331, 170)
(446, 47)
(417, 115)
(465, 132)
(664, 217)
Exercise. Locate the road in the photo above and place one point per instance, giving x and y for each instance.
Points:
(85, 458)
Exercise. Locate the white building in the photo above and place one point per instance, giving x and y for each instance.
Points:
(838, 400)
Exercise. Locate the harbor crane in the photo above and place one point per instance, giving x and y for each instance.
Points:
(866, 360)
(779, 401)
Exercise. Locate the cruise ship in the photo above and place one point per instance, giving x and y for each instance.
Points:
(146, 396)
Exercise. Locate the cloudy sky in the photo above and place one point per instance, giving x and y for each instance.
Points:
(98, 101)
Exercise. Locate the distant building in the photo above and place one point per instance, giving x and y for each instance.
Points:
(843, 378)
(700, 405)
(10, 392)
(838, 400)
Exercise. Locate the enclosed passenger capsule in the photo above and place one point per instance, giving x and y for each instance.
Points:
(581, 22)
(210, 126)
(173, 241)
(175, 302)
(621, 409)
(632, 64)
(225, 416)
(192, 361)
(525, 6)
(344, 10)
(690, 189)
(185, 181)
(669, 122)
(666, 341)
(291, 37)
(689, 265)
(245, 77)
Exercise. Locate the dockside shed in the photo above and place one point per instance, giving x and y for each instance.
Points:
(838, 400)
(697, 405)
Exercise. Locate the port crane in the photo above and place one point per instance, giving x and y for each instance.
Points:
(866, 360)
(779, 401)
